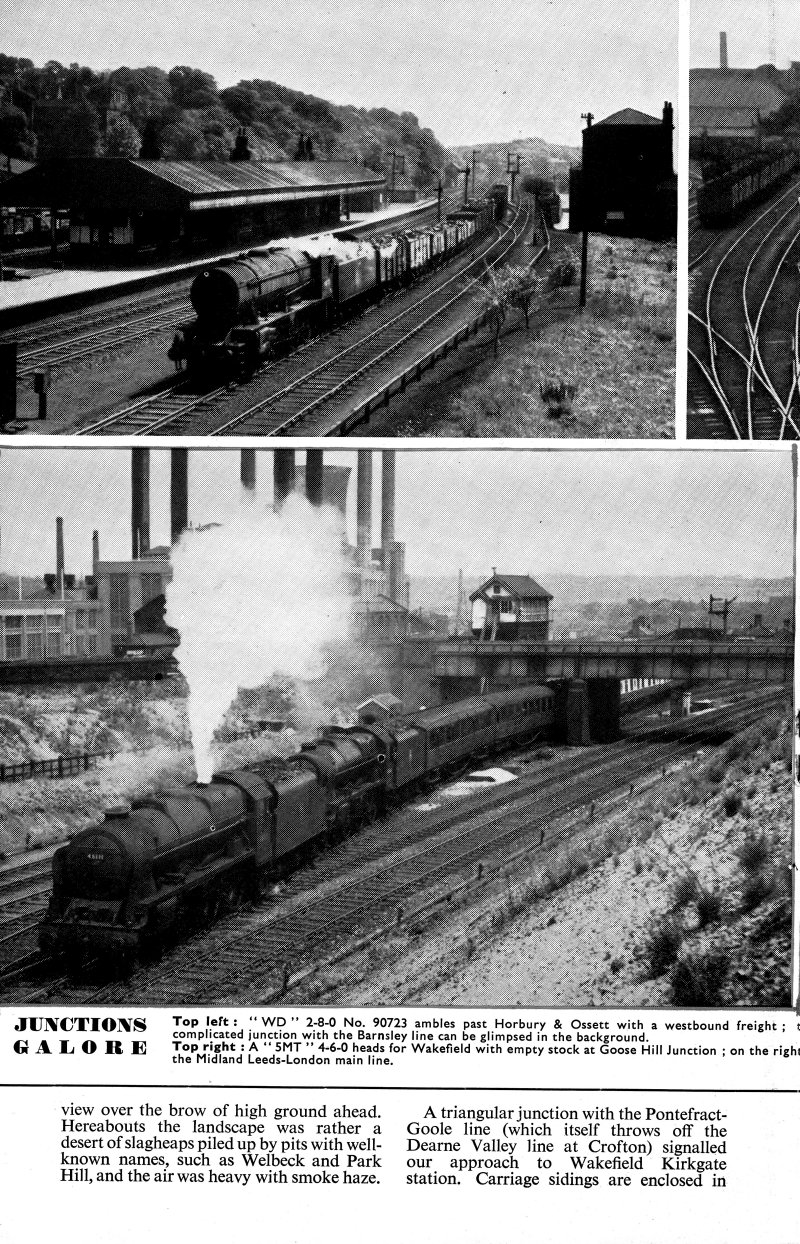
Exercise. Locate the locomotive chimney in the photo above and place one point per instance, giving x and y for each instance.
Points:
(723, 50)
(387, 499)
(178, 493)
(364, 507)
(283, 468)
(140, 502)
(314, 476)
(60, 555)
(248, 470)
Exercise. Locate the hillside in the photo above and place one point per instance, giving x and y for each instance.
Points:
(182, 114)
(535, 157)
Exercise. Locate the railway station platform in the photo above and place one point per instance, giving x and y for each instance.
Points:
(48, 292)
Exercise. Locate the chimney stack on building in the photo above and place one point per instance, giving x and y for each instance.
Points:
(723, 50)
(178, 493)
(248, 470)
(59, 555)
(140, 502)
(283, 469)
(314, 475)
(364, 507)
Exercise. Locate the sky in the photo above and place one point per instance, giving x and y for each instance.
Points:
(471, 71)
(746, 23)
(660, 512)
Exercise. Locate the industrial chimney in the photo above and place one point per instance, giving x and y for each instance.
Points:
(60, 556)
(364, 507)
(178, 493)
(140, 502)
(283, 471)
(723, 50)
(95, 550)
(248, 470)
(314, 476)
(387, 497)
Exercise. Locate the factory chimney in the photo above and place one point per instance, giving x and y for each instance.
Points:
(314, 473)
(283, 473)
(95, 551)
(178, 493)
(60, 556)
(140, 502)
(248, 470)
(364, 507)
(723, 50)
(387, 497)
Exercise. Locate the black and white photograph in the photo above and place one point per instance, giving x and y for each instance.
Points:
(744, 231)
(274, 731)
(413, 220)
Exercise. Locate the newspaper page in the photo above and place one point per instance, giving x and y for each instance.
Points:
(397, 813)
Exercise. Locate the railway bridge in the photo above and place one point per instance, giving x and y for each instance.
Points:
(589, 673)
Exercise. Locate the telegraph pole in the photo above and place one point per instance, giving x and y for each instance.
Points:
(473, 172)
(439, 200)
(465, 174)
(588, 117)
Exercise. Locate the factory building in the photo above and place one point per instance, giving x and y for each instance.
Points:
(626, 184)
(511, 606)
(122, 208)
(733, 103)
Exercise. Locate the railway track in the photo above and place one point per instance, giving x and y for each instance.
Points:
(744, 328)
(300, 393)
(259, 948)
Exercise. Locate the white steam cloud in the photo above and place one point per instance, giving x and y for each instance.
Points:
(259, 596)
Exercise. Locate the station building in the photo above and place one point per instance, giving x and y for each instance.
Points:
(511, 606)
(122, 208)
(626, 184)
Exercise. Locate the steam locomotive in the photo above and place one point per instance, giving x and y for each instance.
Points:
(253, 307)
(185, 856)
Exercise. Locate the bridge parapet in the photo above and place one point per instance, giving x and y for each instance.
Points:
(506, 662)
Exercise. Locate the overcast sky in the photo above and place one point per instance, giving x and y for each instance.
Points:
(746, 23)
(472, 71)
(583, 512)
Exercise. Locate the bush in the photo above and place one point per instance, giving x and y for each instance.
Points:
(709, 907)
(558, 396)
(732, 802)
(685, 890)
(662, 946)
(754, 853)
(756, 890)
(697, 980)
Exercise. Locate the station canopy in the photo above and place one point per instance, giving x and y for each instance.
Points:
(110, 184)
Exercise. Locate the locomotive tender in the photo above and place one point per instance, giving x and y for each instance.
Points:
(186, 855)
(250, 308)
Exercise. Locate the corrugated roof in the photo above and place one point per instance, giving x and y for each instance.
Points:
(210, 177)
(629, 116)
(517, 584)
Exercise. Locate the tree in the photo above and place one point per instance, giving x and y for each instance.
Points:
(494, 302)
(521, 287)
(73, 129)
(151, 142)
(122, 138)
(15, 137)
(192, 88)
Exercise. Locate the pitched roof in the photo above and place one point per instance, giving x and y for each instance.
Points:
(629, 116)
(141, 185)
(517, 584)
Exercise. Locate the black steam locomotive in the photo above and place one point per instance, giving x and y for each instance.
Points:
(185, 856)
(253, 307)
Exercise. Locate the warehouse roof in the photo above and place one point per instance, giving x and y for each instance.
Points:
(162, 185)
(739, 89)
